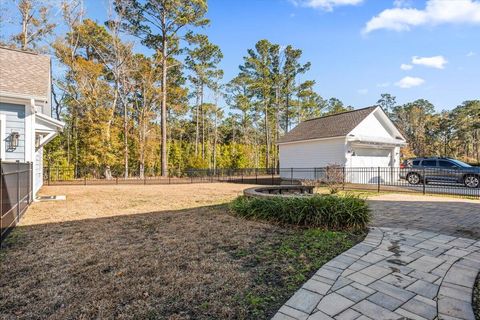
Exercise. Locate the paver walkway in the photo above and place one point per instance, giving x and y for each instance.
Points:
(392, 274)
(457, 217)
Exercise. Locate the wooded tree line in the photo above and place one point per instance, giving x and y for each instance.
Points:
(170, 110)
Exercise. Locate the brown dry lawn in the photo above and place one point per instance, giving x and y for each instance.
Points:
(154, 252)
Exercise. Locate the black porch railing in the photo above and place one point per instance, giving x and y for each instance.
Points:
(16, 193)
(375, 179)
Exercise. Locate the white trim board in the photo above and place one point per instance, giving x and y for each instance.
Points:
(3, 130)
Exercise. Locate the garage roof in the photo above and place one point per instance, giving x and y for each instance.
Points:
(336, 125)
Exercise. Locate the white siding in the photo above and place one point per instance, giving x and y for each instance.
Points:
(310, 154)
(372, 126)
(15, 122)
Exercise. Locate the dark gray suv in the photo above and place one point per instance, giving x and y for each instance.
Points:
(446, 170)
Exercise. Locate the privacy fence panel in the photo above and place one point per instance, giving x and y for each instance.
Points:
(15, 193)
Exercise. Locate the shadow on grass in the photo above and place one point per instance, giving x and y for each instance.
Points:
(200, 263)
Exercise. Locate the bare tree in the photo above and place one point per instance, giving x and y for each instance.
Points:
(35, 24)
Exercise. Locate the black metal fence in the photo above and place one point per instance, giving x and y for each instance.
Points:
(16, 193)
(376, 179)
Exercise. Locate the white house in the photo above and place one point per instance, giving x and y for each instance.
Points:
(363, 138)
(26, 124)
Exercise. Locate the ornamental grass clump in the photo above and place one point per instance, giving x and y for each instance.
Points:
(334, 212)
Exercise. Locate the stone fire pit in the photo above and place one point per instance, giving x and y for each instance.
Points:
(279, 191)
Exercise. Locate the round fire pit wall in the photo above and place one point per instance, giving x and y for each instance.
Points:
(279, 191)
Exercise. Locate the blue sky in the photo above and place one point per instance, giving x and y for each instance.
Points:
(357, 47)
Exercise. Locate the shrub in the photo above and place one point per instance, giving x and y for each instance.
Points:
(332, 176)
(324, 211)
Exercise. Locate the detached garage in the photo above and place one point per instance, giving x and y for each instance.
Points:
(362, 138)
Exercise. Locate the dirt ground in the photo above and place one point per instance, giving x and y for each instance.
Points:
(154, 252)
(90, 202)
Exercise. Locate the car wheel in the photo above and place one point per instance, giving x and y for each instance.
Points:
(413, 178)
(471, 181)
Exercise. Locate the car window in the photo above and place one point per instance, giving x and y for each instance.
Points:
(429, 163)
(461, 163)
(416, 162)
(446, 164)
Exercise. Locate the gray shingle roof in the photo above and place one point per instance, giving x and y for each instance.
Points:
(24, 73)
(336, 125)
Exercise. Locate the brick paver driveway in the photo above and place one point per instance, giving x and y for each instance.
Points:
(457, 217)
(393, 274)
(423, 268)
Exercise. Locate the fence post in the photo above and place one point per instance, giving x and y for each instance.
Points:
(343, 177)
(273, 174)
(378, 180)
(424, 178)
(85, 180)
(18, 190)
(256, 175)
(48, 171)
(1, 197)
(291, 176)
(242, 174)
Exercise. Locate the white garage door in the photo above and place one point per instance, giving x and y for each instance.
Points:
(371, 157)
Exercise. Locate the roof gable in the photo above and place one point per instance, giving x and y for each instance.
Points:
(24, 74)
(337, 125)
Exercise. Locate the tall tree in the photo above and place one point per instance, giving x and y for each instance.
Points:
(310, 104)
(35, 24)
(257, 68)
(159, 23)
(387, 102)
(146, 96)
(202, 60)
(414, 120)
(291, 69)
(334, 106)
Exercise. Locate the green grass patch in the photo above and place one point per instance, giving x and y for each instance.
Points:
(279, 268)
(333, 212)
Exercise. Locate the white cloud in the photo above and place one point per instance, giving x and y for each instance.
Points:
(362, 91)
(326, 5)
(471, 54)
(435, 12)
(402, 3)
(409, 82)
(383, 85)
(405, 66)
(437, 62)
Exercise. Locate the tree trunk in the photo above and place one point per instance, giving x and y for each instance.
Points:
(197, 124)
(202, 112)
(267, 137)
(24, 30)
(215, 138)
(142, 140)
(164, 158)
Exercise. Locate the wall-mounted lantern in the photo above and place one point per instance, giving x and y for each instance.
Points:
(38, 139)
(14, 140)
